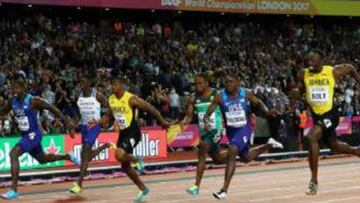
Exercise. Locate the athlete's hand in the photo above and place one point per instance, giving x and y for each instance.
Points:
(274, 113)
(207, 123)
(92, 123)
(164, 124)
(72, 133)
(69, 124)
(177, 122)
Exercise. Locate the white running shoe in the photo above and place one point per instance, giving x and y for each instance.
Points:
(221, 194)
(274, 143)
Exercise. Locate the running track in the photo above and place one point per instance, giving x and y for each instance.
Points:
(275, 183)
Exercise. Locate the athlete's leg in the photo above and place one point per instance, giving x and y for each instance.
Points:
(343, 148)
(220, 157)
(46, 158)
(125, 159)
(313, 137)
(230, 166)
(85, 159)
(255, 151)
(203, 151)
(15, 153)
(97, 151)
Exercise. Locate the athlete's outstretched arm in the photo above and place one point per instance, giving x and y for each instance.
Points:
(137, 102)
(189, 112)
(5, 109)
(345, 69)
(41, 104)
(103, 101)
(104, 120)
(214, 103)
(256, 102)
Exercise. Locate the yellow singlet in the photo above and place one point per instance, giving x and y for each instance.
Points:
(122, 111)
(320, 89)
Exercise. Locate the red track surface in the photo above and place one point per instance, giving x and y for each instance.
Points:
(277, 183)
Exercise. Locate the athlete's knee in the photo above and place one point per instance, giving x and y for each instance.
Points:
(314, 135)
(120, 155)
(85, 153)
(42, 160)
(232, 151)
(312, 138)
(14, 153)
(218, 160)
(334, 146)
(203, 148)
(125, 166)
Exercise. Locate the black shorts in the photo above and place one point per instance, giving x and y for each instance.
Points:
(129, 138)
(328, 123)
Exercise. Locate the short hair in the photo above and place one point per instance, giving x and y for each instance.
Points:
(204, 76)
(233, 76)
(20, 82)
(319, 52)
(119, 79)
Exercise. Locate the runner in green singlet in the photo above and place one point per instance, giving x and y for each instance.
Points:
(210, 138)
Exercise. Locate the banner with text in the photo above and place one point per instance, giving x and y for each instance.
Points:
(152, 145)
(190, 136)
(302, 7)
(53, 144)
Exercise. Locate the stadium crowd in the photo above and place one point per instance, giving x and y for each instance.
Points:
(160, 59)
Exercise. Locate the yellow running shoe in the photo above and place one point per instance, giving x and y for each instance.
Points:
(75, 188)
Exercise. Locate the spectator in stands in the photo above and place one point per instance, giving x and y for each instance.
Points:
(174, 103)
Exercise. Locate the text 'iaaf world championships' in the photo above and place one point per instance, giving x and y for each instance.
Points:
(248, 5)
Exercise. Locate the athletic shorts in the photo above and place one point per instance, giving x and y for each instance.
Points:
(240, 137)
(129, 138)
(31, 143)
(89, 135)
(328, 122)
(213, 139)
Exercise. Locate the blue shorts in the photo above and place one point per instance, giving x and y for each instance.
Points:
(89, 135)
(240, 137)
(31, 143)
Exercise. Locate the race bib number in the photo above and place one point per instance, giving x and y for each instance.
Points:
(236, 118)
(319, 94)
(121, 120)
(217, 137)
(32, 136)
(23, 123)
(201, 120)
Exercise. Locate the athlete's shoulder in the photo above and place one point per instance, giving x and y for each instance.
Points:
(111, 96)
(128, 94)
(112, 99)
(328, 68)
